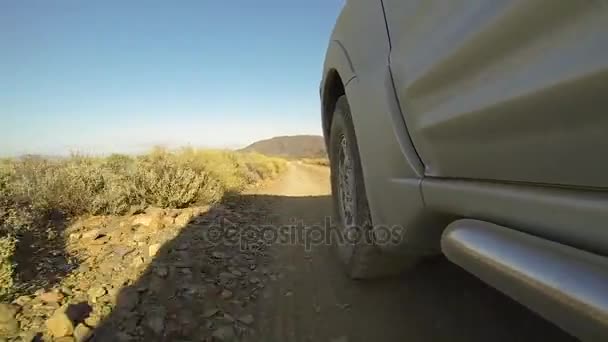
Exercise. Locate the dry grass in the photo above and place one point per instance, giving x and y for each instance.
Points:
(32, 189)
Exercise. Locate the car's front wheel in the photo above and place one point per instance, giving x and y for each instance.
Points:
(355, 245)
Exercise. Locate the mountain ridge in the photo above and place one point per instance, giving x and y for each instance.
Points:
(290, 146)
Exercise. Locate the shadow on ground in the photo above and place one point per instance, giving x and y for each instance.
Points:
(41, 256)
(196, 290)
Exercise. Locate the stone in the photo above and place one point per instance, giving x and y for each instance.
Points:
(100, 240)
(218, 255)
(121, 251)
(64, 339)
(340, 339)
(225, 276)
(91, 234)
(8, 312)
(152, 220)
(29, 336)
(156, 323)
(136, 210)
(182, 246)
(59, 324)
(51, 297)
(138, 261)
(96, 292)
(153, 249)
(184, 218)
(224, 333)
(210, 312)
(92, 320)
(226, 294)
(22, 300)
(246, 319)
(10, 327)
(82, 333)
(161, 271)
(128, 299)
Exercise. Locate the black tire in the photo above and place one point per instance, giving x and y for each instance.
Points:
(362, 258)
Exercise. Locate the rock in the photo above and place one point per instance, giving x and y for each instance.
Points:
(224, 333)
(51, 297)
(8, 324)
(64, 339)
(100, 239)
(226, 294)
(153, 249)
(228, 317)
(121, 251)
(96, 292)
(136, 210)
(218, 255)
(8, 312)
(9, 327)
(182, 246)
(66, 291)
(113, 293)
(138, 261)
(152, 220)
(92, 320)
(59, 324)
(82, 333)
(161, 271)
(246, 319)
(91, 234)
(128, 299)
(29, 336)
(183, 219)
(21, 301)
(156, 323)
(339, 339)
(225, 276)
(210, 312)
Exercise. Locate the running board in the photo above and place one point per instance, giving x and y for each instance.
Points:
(565, 285)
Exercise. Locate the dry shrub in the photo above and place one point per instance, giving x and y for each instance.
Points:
(87, 185)
(7, 266)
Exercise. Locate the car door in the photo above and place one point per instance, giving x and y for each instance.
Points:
(504, 90)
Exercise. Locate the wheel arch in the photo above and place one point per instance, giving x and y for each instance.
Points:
(338, 71)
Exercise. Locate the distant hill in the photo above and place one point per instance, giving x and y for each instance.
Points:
(296, 146)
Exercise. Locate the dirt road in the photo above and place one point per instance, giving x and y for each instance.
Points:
(311, 299)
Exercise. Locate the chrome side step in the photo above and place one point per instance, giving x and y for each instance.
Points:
(565, 285)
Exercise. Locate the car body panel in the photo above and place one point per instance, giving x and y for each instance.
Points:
(504, 90)
(572, 217)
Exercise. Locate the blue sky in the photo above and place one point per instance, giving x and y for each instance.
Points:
(122, 76)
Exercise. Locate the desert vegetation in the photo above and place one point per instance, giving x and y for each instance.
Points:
(36, 192)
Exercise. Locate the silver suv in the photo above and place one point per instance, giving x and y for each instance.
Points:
(477, 130)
